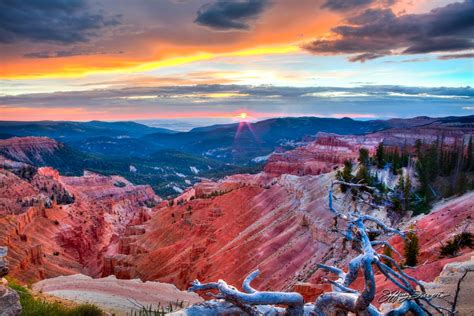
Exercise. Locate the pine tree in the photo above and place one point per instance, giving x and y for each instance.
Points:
(347, 171)
(395, 159)
(364, 156)
(380, 156)
(404, 158)
(363, 176)
(411, 248)
(401, 184)
(346, 174)
(399, 196)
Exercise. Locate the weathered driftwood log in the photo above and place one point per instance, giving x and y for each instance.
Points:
(251, 297)
(343, 299)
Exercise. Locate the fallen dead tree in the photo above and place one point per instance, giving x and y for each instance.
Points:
(343, 299)
(251, 297)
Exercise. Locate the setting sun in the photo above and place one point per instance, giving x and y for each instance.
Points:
(243, 115)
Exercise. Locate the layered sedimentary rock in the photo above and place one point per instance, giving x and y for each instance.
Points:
(329, 151)
(274, 223)
(57, 225)
(323, 155)
(447, 136)
(28, 149)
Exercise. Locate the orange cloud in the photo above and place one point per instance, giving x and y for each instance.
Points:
(35, 114)
(81, 66)
(82, 114)
(279, 31)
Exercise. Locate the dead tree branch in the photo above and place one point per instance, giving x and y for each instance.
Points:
(343, 299)
(251, 297)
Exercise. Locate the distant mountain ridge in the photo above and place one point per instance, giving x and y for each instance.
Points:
(240, 142)
(172, 161)
(70, 131)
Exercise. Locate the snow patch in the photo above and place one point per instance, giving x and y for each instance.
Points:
(177, 189)
(261, 158)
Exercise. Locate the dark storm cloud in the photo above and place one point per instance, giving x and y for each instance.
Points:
(343, 5)
(230, 15)
(363, 101)
(62, 21)
(456, 56)
(378, 32)
(364, 57)
(265, 96)
(66, 53)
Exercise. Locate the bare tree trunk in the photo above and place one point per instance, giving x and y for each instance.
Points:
(294, 301)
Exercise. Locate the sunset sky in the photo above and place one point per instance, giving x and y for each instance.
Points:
(212, 60)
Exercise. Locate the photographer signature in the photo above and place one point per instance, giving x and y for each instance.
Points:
(399, 296)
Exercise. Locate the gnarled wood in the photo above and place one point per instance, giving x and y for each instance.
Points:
(294, 301)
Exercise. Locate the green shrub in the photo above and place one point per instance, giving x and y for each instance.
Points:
(459, 241)
(411, 249)
(85, 310)
(159, 310)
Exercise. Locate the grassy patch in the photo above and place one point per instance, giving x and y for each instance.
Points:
(37, 307)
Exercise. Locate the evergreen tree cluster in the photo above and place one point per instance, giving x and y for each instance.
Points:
(403, 195)
(453, 164)
(345, 175)
(440, 171)
(397, 158)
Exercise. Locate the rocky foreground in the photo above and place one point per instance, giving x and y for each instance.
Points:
(116, 296)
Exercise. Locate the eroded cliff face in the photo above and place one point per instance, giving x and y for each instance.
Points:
(329, 151)
(28, 149)
(57, 225)
(445, 135)
(326, 153)
(273, 223)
